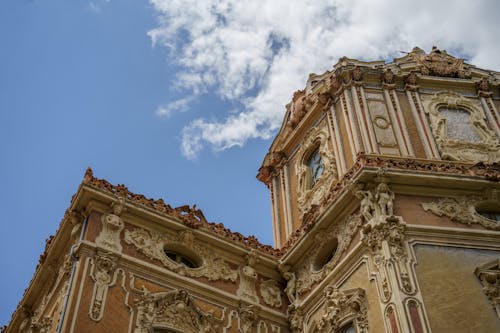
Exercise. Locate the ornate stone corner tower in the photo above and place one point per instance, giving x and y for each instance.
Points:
(384, 179)
(384, 182)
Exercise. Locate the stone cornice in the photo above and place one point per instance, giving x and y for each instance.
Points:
(191, 217)
(409, 72)
(365, 170)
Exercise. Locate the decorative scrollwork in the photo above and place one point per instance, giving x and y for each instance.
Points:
(152, 245)
(174, 310)
(461, 210)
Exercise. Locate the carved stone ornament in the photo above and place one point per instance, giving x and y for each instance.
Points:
(341, 234)
(388, 79)
(341, 308)
(311, 194)
(461, 210)
(153, 245)
(42, 325)
(291, 286)
(296, 319)
(483, 88)
(172, 310)
(299, 107)
(469, 139)
(271, 293)
(103, 275)
(489, 275)
(391, 232)
(248, 279)
(112, 226)
(249, 315)
(440, 63)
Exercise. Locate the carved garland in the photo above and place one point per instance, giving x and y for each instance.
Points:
(461, 210)
(487, 150)
(172, 310)
(308, 195)
(342, 233)
(152, 245)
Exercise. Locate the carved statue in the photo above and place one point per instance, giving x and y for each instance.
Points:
(367, 206)
(291, 286)
(384, 198)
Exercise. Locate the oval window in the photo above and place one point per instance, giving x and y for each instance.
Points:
(315, 165)
(489, 210)
(326, 254)
(182, 259)
(349, 328)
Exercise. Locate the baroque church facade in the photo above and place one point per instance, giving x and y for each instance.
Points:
(384, 183)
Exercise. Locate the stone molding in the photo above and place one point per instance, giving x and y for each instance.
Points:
(152, 245)
(174, 310)
(461, 210)
(489, 276)
(487, 150)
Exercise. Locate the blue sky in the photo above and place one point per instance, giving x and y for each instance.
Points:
(177, 99)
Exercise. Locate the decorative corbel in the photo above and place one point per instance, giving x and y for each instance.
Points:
(248, 279)
(103, 275)
(112, 226)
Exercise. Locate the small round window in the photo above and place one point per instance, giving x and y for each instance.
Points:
(326, 254)
(182, 259)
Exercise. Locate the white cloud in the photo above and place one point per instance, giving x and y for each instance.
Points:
(96, 6)
(258, 52)
(180, 105)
